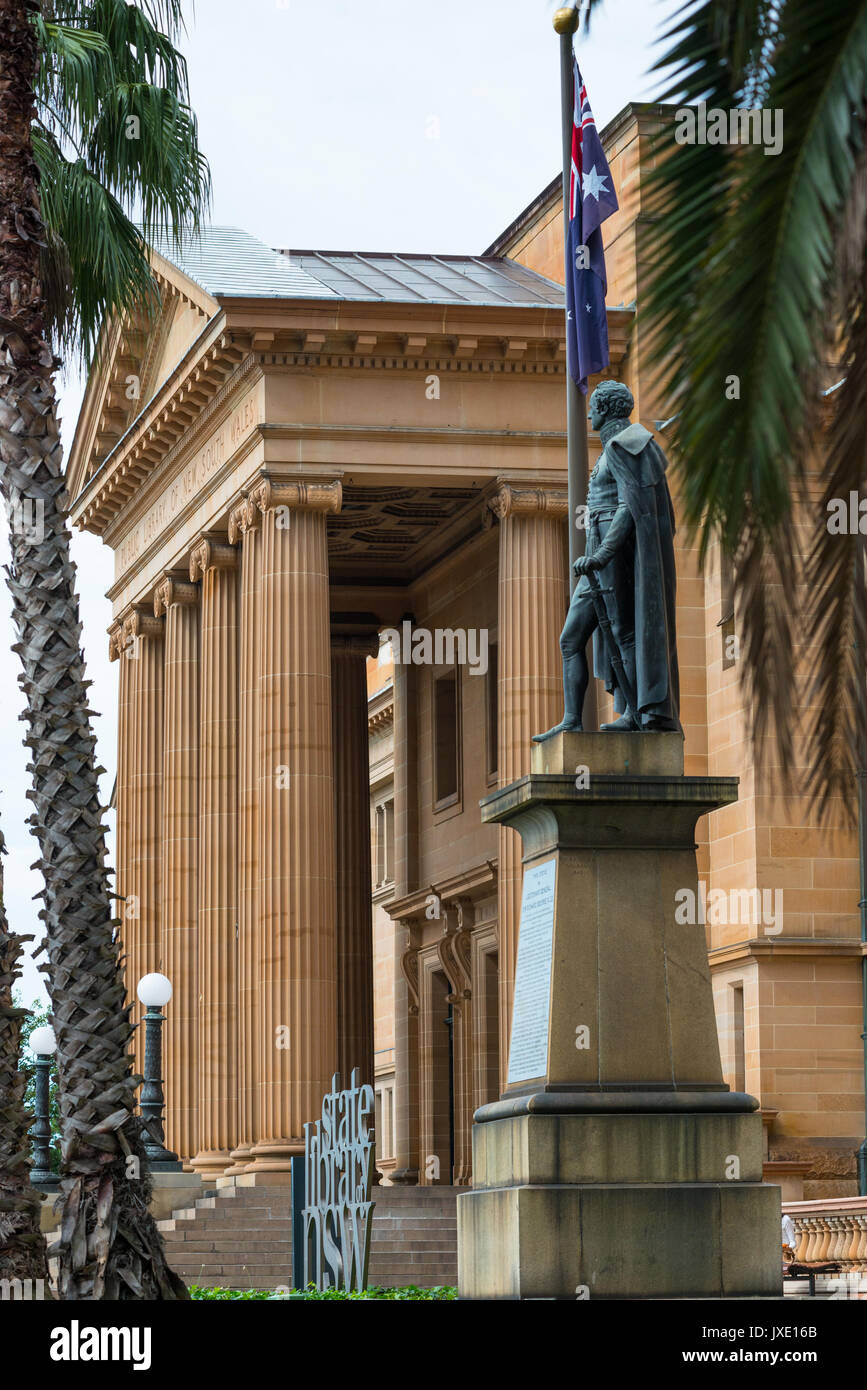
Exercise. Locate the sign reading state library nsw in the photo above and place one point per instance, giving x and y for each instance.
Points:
(338, 1175)
(528, 1050)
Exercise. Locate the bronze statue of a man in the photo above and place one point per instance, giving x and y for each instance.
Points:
(630, 549)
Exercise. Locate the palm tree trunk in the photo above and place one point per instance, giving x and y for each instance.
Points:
(109, 1245)
(22, 1245)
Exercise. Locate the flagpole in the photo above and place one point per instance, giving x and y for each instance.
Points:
(578, 466)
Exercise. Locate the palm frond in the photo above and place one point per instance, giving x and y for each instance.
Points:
(166, 15)
(76, 68)
(744, 282)
(96, 259)
(119, 158)
(757, 277)
(837, 625)
(144, 147)
(140, 49)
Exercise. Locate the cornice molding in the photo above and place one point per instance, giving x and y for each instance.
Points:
(762, 947)
(509, 362)
(157, 439)
(479, 881)
(380, 718)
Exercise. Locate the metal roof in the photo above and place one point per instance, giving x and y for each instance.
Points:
(408, 279)
(228, 262)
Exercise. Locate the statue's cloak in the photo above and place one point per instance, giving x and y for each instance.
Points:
(639, 465)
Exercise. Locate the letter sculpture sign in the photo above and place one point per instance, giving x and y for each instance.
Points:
(338, 1176)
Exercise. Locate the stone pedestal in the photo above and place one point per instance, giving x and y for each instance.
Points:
(617, 1163)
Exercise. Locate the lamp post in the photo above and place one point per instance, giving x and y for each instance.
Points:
(154, 991)
(43, 1045)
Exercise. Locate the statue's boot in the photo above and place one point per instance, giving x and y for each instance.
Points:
(574, 685)
(627, 723)
(624, 725)
(655, 723)
(567, 725)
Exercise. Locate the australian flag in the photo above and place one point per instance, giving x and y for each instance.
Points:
(591, 200)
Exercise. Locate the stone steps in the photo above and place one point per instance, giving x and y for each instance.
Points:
(241, 1237)
(228, 1227)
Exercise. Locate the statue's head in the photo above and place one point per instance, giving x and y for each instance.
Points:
(610, 401)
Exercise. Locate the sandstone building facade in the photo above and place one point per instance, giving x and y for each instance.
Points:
(298, 452)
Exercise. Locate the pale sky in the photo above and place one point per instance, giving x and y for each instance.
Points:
(366, 125)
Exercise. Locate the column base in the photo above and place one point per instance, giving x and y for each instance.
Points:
(273, 1155)
(280, 1177)
(619, 1206)
(404, 1177)
(241, 1157)
(211, 1162)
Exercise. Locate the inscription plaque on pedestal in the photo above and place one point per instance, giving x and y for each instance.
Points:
(528, 1049)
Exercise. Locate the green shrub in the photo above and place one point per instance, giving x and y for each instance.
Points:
(408, 1292)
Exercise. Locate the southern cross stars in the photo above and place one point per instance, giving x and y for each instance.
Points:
(592, 184)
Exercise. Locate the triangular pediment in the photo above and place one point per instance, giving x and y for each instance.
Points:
(134, 358)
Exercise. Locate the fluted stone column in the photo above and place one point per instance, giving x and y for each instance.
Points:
(179, 908)
(218, 844)
(140, 914)
(297, 967)
(533, 598)
(244, 532)
(352, 843)
(406, 1159)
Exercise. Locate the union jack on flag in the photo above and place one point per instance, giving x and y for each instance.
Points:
(591, 200)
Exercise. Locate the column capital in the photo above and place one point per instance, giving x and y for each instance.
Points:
(170, 590)
(208, 554)
(141, 622)
(116, 640)
(243, 517)
(299, 494)
(357, 646)
(513, 501)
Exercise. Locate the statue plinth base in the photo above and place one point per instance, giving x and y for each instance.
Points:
(617, 1163)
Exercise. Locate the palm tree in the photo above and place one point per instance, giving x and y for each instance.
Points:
(757, 311)
(22, 1244)
(94, 126)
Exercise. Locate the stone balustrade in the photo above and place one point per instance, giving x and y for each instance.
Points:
(832, 1230)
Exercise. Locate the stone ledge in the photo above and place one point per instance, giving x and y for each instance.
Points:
(612, 1149)
(637, 755)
